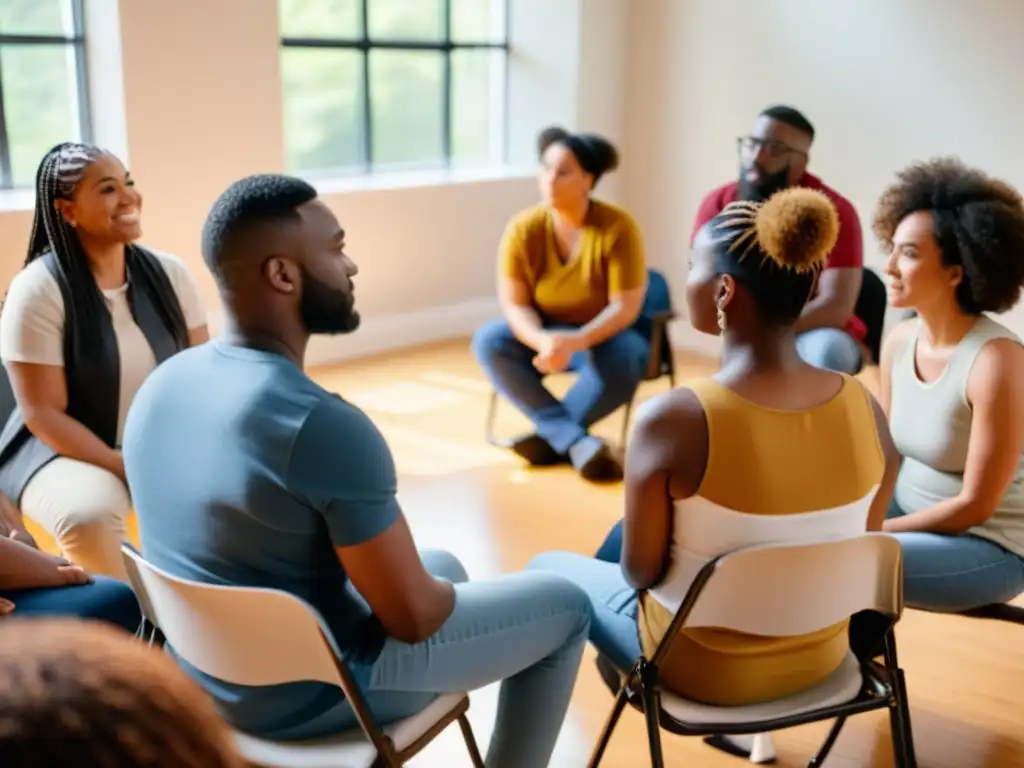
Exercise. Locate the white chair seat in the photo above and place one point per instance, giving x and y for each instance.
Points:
(348, 750)
(840, 687)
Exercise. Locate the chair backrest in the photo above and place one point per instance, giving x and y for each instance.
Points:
(657, 304)
(870, 308)
(658, 298)
(242, 635)
(128, 555)
(784, 590)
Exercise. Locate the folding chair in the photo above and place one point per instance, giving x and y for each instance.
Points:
(148, 630)
(781, 591)
(253, 636)
(653, 325)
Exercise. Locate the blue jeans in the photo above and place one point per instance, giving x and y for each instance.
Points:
(608, 375)
(526, 629)
(106, 599)
(956, 573)
(610, 550)
(613, 628)
(830, 348)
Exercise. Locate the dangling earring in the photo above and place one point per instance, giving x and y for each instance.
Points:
(721, 319)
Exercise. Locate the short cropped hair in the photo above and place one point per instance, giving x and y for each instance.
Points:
(250, 202)
(791, 117)
(978, 224)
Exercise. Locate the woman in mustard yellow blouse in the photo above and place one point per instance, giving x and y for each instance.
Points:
(572, 280)
(769, 449)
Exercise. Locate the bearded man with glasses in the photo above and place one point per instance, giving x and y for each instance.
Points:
(773, 156)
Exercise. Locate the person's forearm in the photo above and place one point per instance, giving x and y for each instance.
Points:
(613, 319)
(23, 567)
(526, 325)
(952, 516)
(73, 439)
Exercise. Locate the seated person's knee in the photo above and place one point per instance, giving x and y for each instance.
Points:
(491, 337)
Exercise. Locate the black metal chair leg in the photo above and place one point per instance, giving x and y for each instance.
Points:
(830, 741)
(652, 710)
(626, 416)
(470, 739)
(609, 727)
(904, 753)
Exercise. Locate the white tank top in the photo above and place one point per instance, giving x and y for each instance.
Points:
(931, 427)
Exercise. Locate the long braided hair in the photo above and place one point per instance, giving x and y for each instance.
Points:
(60, 172)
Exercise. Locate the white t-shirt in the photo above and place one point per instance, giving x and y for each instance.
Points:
(32, 324)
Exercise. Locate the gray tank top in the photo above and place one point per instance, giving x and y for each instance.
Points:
(931, 426)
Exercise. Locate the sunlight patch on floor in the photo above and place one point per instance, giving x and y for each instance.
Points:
(405, 398)
(417, 453)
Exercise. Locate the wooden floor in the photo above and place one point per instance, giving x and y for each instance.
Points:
(965, 676)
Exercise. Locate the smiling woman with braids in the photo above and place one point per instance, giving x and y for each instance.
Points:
(83, 324)
(723, 463)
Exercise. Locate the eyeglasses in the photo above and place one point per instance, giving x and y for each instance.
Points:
(752, 145)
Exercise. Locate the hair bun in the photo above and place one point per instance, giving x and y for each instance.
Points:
(798, 228)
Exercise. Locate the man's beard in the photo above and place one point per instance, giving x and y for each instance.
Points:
(325, 309)
(765, 188)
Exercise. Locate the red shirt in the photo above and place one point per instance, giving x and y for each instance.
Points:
(849, 250)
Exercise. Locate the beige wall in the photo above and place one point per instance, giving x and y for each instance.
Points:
(202, 107)
(885, 82)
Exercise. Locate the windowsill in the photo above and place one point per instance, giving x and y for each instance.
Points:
(13, 200)
(432, 177)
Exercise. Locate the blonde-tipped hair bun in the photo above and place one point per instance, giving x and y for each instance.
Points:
(798, 228)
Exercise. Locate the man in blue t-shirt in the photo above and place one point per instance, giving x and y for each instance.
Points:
(243, 471)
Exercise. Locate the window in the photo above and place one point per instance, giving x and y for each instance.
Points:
(42, 84)
(393, 84)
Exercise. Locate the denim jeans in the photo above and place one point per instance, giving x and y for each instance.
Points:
(830, 348)
(950, 573)
(613, 628)
(607, 377)
(105, 599)
(526, 630)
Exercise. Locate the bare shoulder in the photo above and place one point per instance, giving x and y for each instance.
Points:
(998, 366)
(671, 412)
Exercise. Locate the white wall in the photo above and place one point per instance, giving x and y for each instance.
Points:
(202, 107)
(886, 82)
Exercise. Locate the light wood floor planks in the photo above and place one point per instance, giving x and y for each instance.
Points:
(965, 676)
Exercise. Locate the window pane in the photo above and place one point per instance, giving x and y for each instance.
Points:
(407, 19)
(322, 108)
(321, 18)
(478, 91)
(41, 110)
(478, 21)
(406, 105)
(36, 17)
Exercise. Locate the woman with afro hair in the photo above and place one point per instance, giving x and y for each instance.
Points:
(952, 383)
(769, 449)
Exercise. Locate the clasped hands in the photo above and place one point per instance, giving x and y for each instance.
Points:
(556, 350)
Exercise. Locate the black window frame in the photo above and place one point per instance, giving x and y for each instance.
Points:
(77, 41)
(365, 44)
